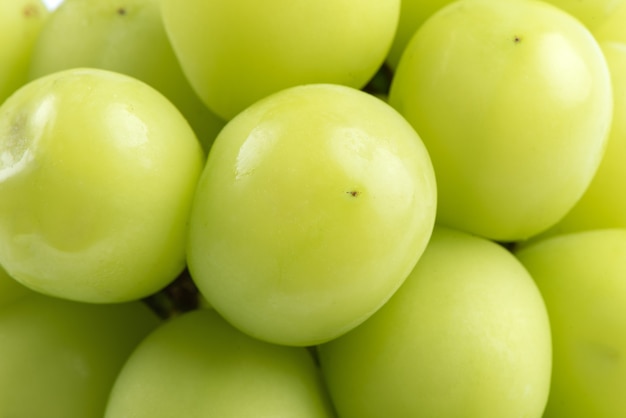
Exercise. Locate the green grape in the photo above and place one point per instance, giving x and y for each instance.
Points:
(235, 53)
(412, 14)
(313, 207)
(10, 289)
(197, 366)
(513, 101)
(20, 24)
(466, 336)
(592, 13)
(59, 359)
(97, 175)
(603, 205)
(126, 37)
(581, 277)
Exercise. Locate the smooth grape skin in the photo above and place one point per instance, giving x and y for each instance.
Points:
(313, 207)
(467, 335)
(198, 366)
(235, 53)
(20, 24)
(97, 175)
(603, 205)
(126, 37)
(581, 277)
(59, 359)
(513, 101)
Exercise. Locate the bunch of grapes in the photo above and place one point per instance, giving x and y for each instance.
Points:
(331, 209)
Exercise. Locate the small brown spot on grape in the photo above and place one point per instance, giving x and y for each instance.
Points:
(354, 193)
(517, 39)
(30, 10)
(121, 11)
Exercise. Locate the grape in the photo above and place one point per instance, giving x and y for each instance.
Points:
(581, 277)
(59, 359)
(467, 335)
(513, 101)
(312, 250)
(97, 175)
(197, 365)
(20, 23)
(603, 205)
(235, 53)
(313, 207)
(126, 37)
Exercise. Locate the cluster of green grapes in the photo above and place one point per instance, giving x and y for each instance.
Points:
(329, 209)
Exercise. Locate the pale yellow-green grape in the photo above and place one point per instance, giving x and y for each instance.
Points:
(97, 175)
(590, 12)
(59, 359)
(237, 52)
(20, 24)
(412, 14)
(313, 207)
(604, 203)
(513, 101)
(123, 36)
(10, 289)
(198, 366)
(467, 335)
(581, 277)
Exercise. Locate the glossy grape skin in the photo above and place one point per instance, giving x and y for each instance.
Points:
(467, 335)
(59, 359)
(97, 175)
(126, 37)
(235, 53)
(313, 207)
(20, 24)
(581, 277)
(197, 366)
(603, 205)
(514, 102)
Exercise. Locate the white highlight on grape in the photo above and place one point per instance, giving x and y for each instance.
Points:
(260, 141)
(134, 132)
(130, 132)
(52, 4)
(24, 138)
(371, 160)
(565, 69)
